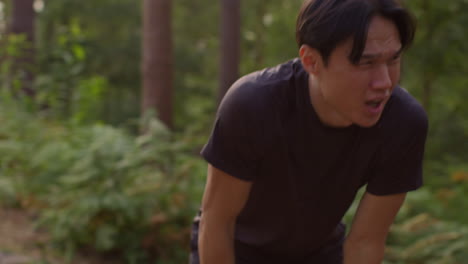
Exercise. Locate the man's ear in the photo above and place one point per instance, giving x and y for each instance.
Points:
(310, 59)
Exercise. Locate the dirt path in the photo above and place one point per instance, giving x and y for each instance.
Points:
(21, 243)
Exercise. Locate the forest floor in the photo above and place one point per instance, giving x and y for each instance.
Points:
(22, 243)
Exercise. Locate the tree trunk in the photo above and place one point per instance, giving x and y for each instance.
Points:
(157, 59)
(23, 22)
(230, 44)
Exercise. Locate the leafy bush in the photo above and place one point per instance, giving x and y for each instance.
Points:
(425, 239)
(99, 187)
(423, 232)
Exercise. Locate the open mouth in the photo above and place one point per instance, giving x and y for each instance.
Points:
(374, 103)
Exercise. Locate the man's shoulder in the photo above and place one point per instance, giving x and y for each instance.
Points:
(405, 112)
(270, 76)
(260, 88)
(407, 106)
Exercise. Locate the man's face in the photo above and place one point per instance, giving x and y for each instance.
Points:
(358, 93)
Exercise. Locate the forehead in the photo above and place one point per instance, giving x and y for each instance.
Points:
(382, 36)
(383, 41)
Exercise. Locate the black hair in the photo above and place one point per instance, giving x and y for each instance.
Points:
(324, 24)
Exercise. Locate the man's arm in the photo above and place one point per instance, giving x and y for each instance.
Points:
(224, 198)
(365, 243)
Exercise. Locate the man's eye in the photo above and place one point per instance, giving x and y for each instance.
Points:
(395, 59)
(367, 62)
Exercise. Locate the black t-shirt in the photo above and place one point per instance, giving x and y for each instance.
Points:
(305, 174)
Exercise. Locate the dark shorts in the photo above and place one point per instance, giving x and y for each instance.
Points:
(330, 253)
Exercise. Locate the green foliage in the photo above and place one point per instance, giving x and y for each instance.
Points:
(423, 239)
(13, 69)
(268, 33)
(99, 187)
(435, 71)
(77, 45)
(196, 57)
(420, 237)
(423, 232)
(61, 73)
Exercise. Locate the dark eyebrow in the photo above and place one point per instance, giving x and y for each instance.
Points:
(372, 56)
(398, 53)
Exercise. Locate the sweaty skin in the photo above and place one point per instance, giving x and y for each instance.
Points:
(224, 198)
(341, 91)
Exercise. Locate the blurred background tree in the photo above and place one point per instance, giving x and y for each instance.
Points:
(157, 66)
(22, 22)
(73, 155)
(230, 45)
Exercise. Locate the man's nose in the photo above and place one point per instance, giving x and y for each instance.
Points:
(381, 78)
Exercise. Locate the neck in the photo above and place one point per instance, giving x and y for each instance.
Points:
(327, 114)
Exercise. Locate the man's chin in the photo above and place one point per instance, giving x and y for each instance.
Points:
(367, 122)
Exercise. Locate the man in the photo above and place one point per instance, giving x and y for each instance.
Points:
(292, 145)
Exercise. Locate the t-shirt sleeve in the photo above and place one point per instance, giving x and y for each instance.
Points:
(398, 165)
(235, 144)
